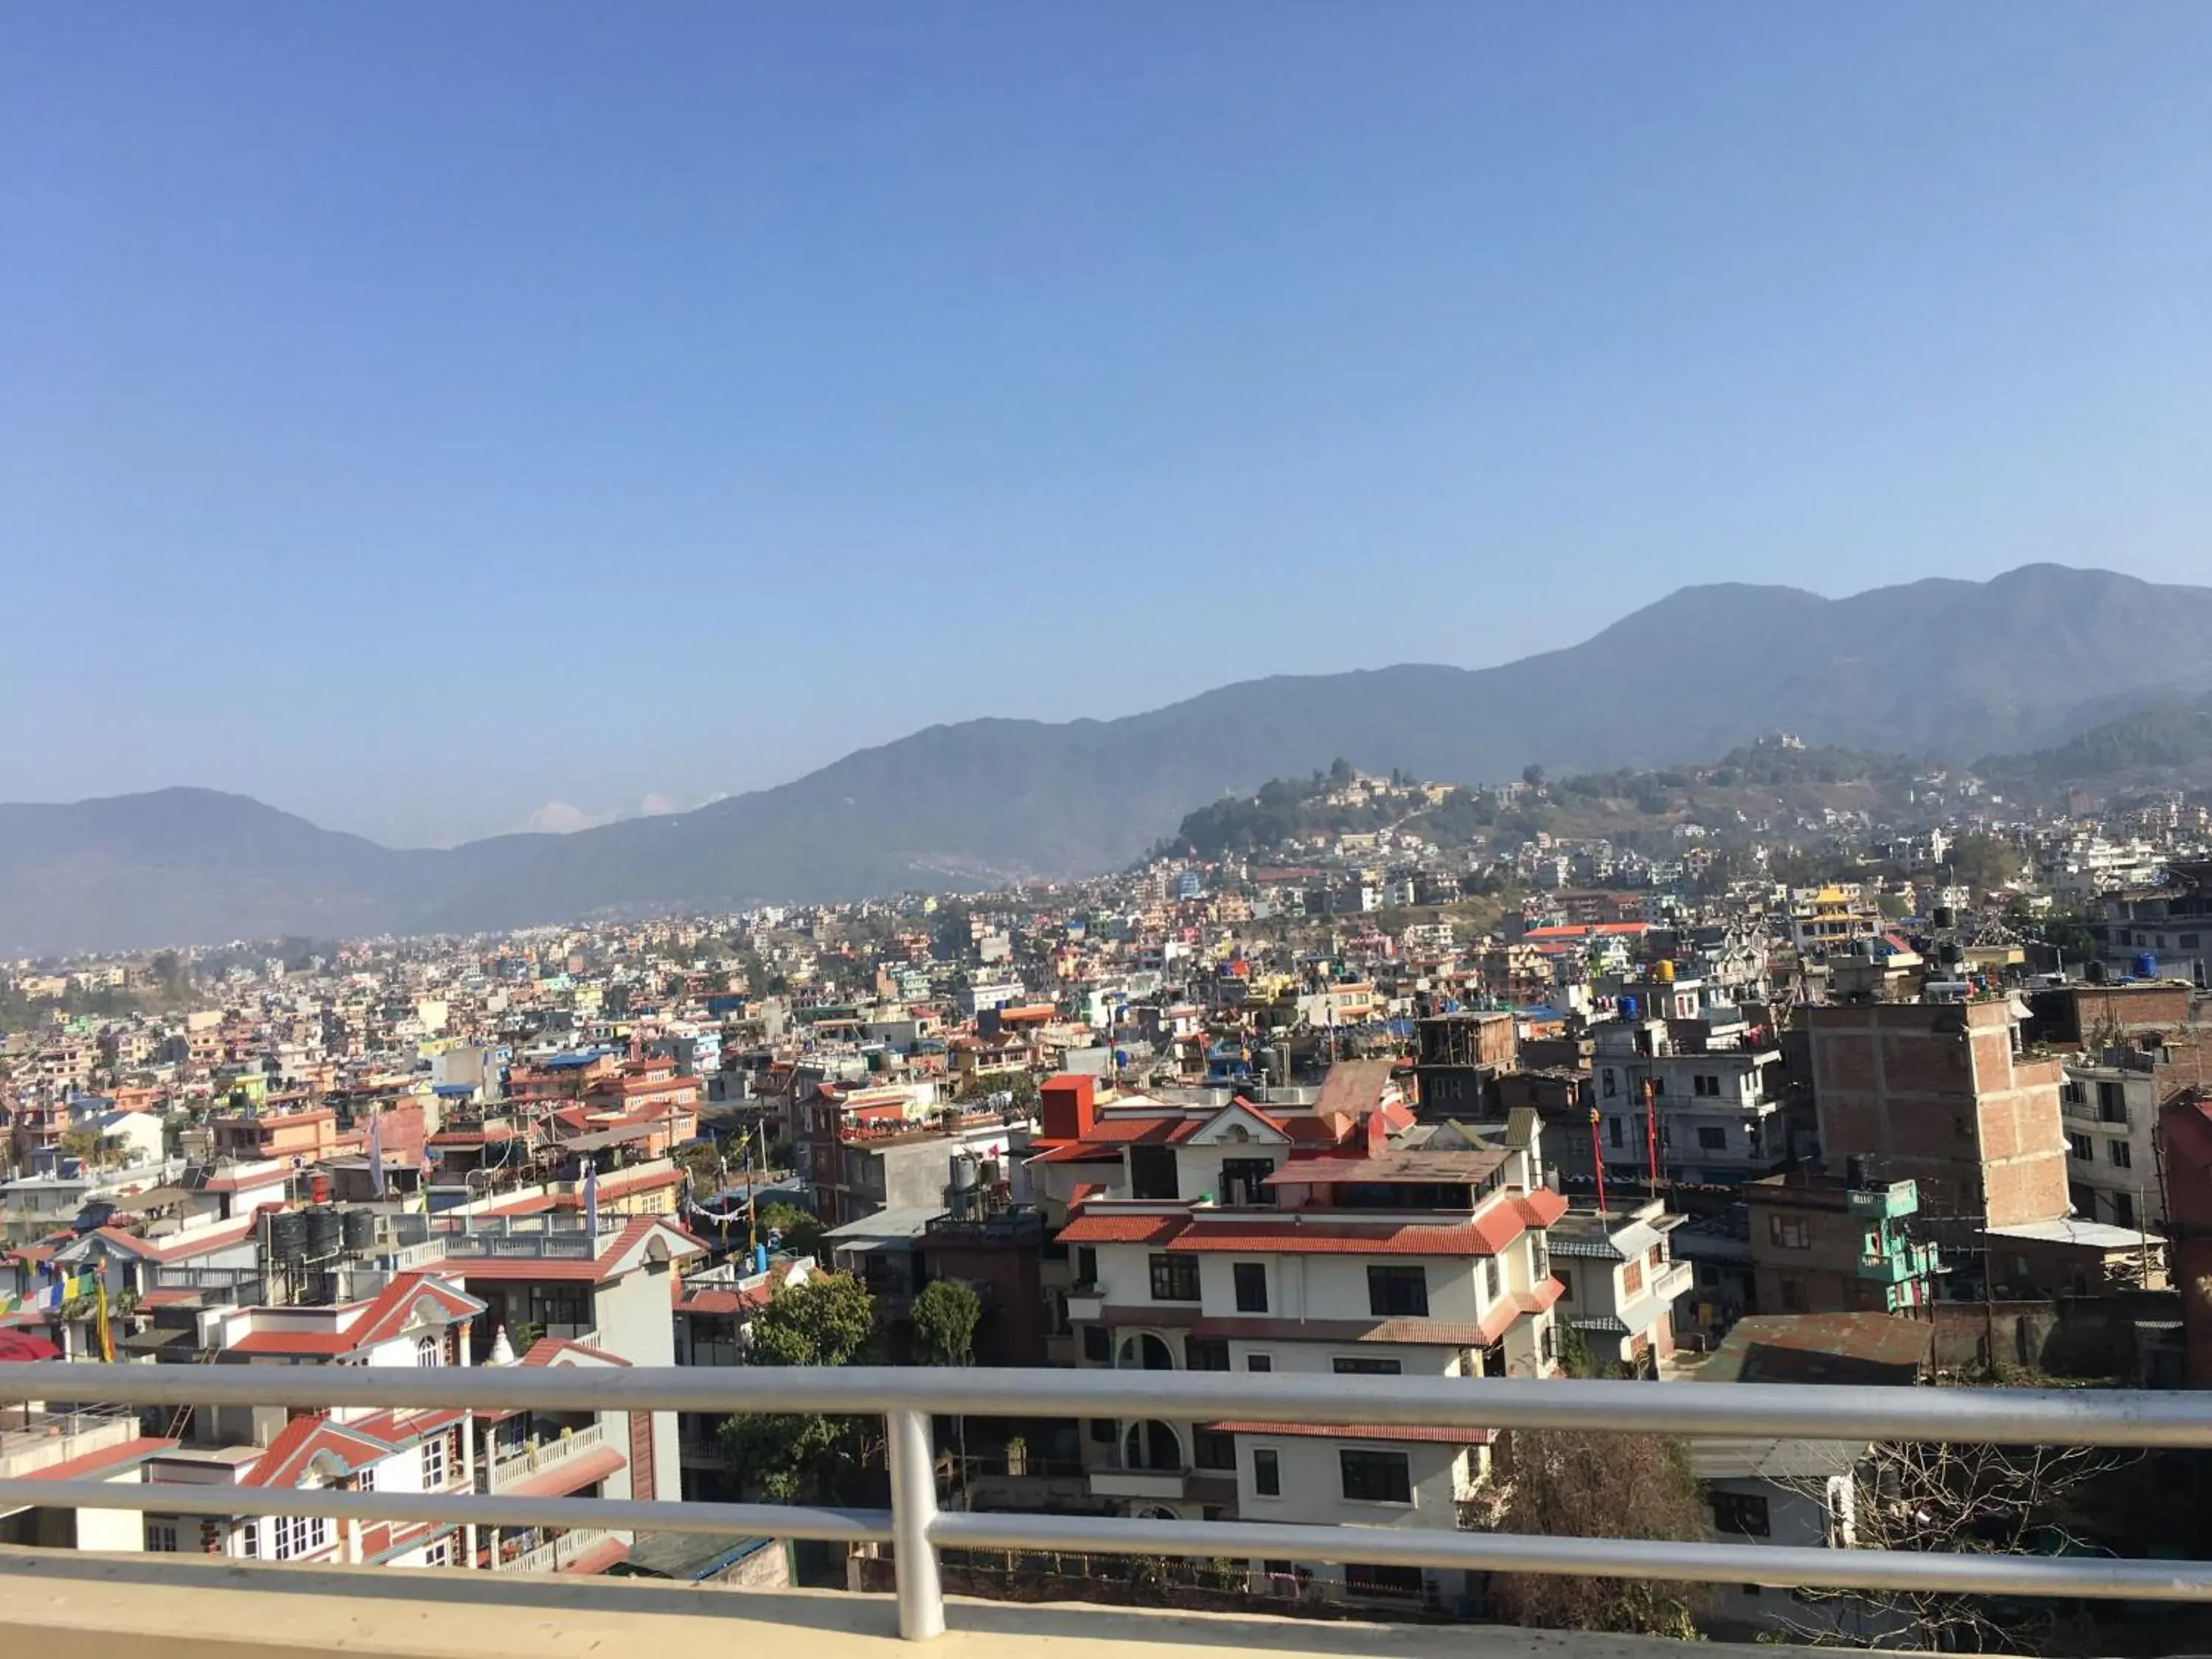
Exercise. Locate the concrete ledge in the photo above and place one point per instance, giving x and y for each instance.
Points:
(71, 1605)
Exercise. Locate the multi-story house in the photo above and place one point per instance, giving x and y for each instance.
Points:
(1238, 1237)
(1619, 1280)
(1826, 1244)
(2108, 1106)
(1714, 1097)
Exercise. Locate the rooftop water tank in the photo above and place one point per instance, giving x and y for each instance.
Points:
(2146, 966)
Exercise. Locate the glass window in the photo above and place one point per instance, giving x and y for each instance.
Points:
(1399, 1291)
(1376, 1477)
(1213, 1450)
(1175, 1278)
(1251, 1279)
(434, 1463)
(1789, 1232)
(427, 1352)
(1362, 1365)
(1740, 1512)
(1493, 1278)
(2122, 1157)
(1267, 1473)
(161, 1536)
(1206, 1353)
(1098, 1345)
(1712, 1138)
(1258, 1362)
(2079, 1145)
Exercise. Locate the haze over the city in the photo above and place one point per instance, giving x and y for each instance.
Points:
(438, 421)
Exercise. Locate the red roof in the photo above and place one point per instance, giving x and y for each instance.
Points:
(303, 1439)
(548, 1350)
(1123, 1229)
(570, 1474)
(95, 1464)
(1363, 1432)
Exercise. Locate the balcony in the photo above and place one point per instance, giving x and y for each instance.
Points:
(1906, 1261)
(1086, 1303)
(562, 1550)
(1900, 1198)
(90, 1606)
(512, 1471)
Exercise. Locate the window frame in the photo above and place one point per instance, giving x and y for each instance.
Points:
(1266, 1472)
(1174, 1269)
(1395, 1469)
(1248, 1279)
(1391, 1283)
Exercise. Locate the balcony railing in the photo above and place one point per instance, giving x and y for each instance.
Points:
(907, 1398)
(555, 1553)
(509, 1470)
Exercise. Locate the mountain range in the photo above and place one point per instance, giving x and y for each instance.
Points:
(2025, 662)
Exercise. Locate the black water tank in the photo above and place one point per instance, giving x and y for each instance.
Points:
(2094, 971)
(360, 1230)
(288, 1235)
(1944, 916)
(324, 1232)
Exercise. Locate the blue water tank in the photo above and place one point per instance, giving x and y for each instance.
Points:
(2146, 966)
(760, 1258)
(1630, 1007)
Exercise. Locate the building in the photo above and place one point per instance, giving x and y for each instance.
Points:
(1618, 1281)
(1942, 1094)
(2109, 1107)
(2185, 1137)
(1460, 1058)
(1239, 1237)
(1823, 1244)
(1714, 1097)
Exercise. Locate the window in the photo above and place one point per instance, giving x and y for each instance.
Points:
(2071, 1093)
(1493, 1281)
(301, 1535)
(1655, 1256)
(160, 1536)
(427, 1352)
(440, 1554)
(1566, 1284)
(1210, 1448)
(2112, 1103)
(1550, 1348)
(1611, 1088)
(1243, 1181)
(1205, 1353)
(1251, 1279)
(2079, 1145)
(1086, 1264)
(1613, 1134)
(366, 1480)
(249, 1538)
(1789, 1232)
(2124, 1210)
(434, 1463)
(1098, 1345)
(1376, 1477)
(1712, 1138)
(1258, 1362)
(1267, 1473)
(1539, 1255)
(1361, 1366)
(1631, 1279)
(2121, 1155)
(1793, 1294)
(1175, 1278)
(1400, 1290)
(1706, 1086)
(1740, 1512)
(1152, 1172)
(1102, 1431)
(2189, 941)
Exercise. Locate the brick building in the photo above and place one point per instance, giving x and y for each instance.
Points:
(1943, 1094)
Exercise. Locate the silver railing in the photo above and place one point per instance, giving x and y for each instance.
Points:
(907, 1398)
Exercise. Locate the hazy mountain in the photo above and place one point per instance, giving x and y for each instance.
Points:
(1954, 668)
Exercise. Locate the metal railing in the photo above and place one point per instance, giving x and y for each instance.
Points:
(520, 1466)
(907, 1399)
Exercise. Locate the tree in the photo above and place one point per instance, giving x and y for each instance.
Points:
(799, 1231)
(1533, 775)
(1984, 862)
(87, 1145)
(945, 1315)
(1978, 1500)
(1340, 771)
(827, 1320)
(1565, 1483)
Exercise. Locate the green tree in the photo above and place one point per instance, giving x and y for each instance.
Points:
(800, 1231)
(1572, 1484)
(827, 1320)
(945, 1316)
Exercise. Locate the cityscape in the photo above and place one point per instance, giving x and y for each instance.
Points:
(1255, 831)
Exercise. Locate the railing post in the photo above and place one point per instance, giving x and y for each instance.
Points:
(914, 1506)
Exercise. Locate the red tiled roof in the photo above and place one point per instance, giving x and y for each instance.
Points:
(570, 1474)
(1091, 1229)
(301, 1439)
(598, 1557)
(548, 1350)
(178, 1248)
(1363, 1432)
(93, 1465)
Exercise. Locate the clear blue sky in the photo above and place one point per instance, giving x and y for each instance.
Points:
(413, 415)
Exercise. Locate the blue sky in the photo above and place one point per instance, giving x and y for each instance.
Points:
(417, 415)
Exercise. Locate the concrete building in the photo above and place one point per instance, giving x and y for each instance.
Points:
(1618, 1281)
(1823, 1244)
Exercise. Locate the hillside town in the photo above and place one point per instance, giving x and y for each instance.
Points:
(1369, 1077)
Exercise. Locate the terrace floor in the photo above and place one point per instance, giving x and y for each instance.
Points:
(69, 1605)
